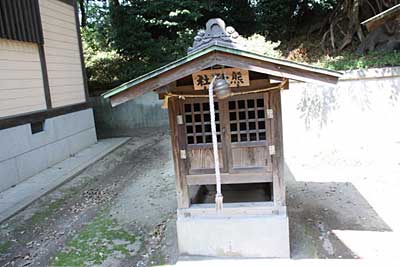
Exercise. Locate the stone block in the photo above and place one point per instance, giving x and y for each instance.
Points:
(81, 140)
(31, 163)
(85, 119)
(73, 123)
(240, 236)
(8, 174)
(57, 151)
(63, 126)
(14, 141)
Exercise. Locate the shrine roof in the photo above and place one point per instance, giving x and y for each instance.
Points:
(218, 55)
(218, 45)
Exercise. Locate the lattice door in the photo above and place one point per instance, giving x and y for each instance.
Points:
(249, 132)
(244, 145)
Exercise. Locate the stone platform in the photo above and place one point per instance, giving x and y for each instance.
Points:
(254, 229)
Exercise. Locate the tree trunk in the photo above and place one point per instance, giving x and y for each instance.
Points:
(342, 27)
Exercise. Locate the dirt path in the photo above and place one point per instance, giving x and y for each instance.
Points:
(114, 213)
(121, 211)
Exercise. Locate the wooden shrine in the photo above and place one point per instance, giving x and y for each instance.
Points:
(253, 221)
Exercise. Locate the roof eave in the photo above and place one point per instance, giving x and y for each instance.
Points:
(334, 75)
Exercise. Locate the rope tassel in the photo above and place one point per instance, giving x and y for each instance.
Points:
(218, 197)
(219, 201)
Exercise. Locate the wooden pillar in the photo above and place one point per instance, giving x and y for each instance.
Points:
(279, 192)
(225, 136)
(178, 144)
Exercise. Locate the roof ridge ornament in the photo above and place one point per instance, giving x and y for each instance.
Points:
(216, 33)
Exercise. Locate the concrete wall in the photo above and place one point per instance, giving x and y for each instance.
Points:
(363, 108)
(350, 126)
(142, 112)
(24, 154)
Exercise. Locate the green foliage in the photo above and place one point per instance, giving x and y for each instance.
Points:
(274, 18)
(348, 61)
(124, 41)
(127, 38)
(240, 14)
(257, 44)
(282, 19)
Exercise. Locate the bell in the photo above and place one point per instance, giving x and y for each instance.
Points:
(221, 88)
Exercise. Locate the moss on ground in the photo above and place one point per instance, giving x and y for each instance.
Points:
(5, 246)
(158, 258)
(310, 247)
(100, 239)
(49, 209)
(46, 212)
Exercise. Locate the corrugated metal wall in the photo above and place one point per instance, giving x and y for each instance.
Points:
(20, 20)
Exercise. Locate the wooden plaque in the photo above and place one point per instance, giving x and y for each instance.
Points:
(235, 77)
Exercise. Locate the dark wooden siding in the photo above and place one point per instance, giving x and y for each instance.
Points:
(20, 20)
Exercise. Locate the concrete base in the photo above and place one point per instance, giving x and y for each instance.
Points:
(24, 154)
(264, 236)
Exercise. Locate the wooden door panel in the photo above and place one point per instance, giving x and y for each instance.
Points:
(203, 159)
(244, 157)
(248, 128)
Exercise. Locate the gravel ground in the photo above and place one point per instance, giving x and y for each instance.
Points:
(121, 211)
(115, 213)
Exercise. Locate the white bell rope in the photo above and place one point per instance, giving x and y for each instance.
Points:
(218, 195)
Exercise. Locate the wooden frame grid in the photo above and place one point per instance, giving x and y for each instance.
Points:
(247, 119)
(198, 122)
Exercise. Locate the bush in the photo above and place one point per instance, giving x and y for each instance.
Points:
(348, 61)
(257, 44)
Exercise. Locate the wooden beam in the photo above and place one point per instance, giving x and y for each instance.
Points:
(163, 79)
(276, 137)
(82, 59)
(177, 135)
(225, 136)
(46, 86)
(268, 122)
(254, 84)
(37, 116)
(229, 178)
(274, 69)
(188, 89)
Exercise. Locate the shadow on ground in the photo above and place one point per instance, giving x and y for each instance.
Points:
(316, 209)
